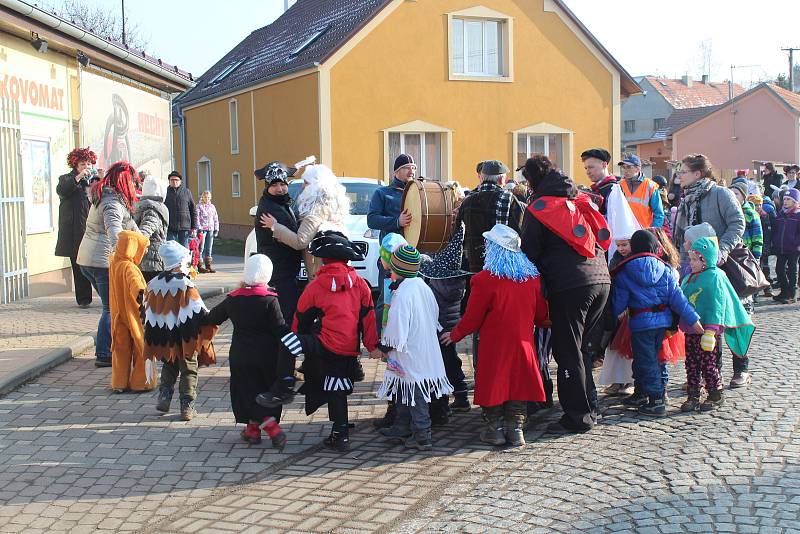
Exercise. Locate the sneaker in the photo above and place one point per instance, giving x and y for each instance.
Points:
(654, 408)
(713, 401)
(251, 434)
(461, 405)
(740, 379)
(164, 400)
(627, 390)
(635, 400)
(493, 434)
(281, 393)
(102, 362)
(514, 434)
(388, 418)
(613, 389)
(395, 433)
(691, 404)
(187, 410)
(419, 443)
(337, 441)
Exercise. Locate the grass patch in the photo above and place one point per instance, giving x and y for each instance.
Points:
(228, 247)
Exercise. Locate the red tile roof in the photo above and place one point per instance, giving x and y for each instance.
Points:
(698, 95)
(791, 99)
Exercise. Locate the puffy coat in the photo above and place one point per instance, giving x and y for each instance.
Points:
(342, 303)
(649, 288)
(722, 211)
(152, 218)
(182, 212)
(72, 213)
(786, 233)
(448, 293)
(107, 218)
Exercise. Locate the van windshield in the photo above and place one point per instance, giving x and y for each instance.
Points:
(360, 193)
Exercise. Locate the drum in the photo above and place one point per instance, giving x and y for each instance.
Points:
(431, 205)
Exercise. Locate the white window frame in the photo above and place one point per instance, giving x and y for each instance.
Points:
(547, 129)
(505, 54)
(209, 182)
(422, 164)
(236, 184)
(233, 121)
(421, 128)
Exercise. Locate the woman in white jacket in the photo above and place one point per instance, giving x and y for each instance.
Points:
(322, 205)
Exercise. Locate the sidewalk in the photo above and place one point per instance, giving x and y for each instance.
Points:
(39, 333)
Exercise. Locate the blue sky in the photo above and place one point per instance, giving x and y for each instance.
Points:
(646, 36)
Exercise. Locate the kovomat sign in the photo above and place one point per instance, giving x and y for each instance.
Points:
(32, 93)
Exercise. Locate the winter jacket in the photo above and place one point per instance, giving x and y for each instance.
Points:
(300, 238)
(561, 266)
(772, 179)
(448, 293)
(340, 302)
(384, 208)
(72, 213)
(207, 218)
(786, 233)
(603, 188)
(106, 219)
(480, 212)
(285, 259)
(768, 216)
(649, 288)
(720, 209)
(152, 218)
(753, 237)
(182, 212)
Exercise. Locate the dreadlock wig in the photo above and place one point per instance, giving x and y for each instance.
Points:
(508, 264)
(81, 154)
(121, 178)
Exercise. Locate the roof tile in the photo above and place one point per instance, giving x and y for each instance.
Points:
(698, 95)
(792, 99)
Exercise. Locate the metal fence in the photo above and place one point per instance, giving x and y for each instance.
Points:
(13, 259)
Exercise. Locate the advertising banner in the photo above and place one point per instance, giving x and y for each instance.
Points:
(122, 122)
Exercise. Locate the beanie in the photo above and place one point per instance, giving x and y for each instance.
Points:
(389, 244)
(643, 242)
(741, 188)
(406, 261)
(257, 270)
(403, 160)
(794, 194)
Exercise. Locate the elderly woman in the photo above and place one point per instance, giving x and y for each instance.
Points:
(322, 205)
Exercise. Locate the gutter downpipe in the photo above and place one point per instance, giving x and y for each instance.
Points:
(182, 130)
(61, 25)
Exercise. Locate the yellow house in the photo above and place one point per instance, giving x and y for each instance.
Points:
(451, 82)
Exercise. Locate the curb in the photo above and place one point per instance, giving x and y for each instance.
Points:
(77, 345)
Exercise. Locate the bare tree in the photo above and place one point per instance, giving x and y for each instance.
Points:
(106, 23)
(705, 63)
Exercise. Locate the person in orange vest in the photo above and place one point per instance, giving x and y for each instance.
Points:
(641, 193)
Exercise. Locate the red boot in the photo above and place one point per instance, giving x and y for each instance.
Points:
(273, 430)
(251, 434)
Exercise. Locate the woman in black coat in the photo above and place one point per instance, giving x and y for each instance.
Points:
(286, 261)
(258, 327)
(72, 189)
(565, 237)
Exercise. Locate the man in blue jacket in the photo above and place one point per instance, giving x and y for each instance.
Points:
(385, 215)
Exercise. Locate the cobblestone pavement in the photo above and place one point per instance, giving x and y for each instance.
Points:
(76, 458)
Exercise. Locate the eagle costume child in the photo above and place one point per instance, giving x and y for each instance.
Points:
(174, 330)
(335, 314)
(414, 369)
(129, 369)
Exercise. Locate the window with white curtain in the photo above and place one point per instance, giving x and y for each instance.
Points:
(203, 176)
(476, 47)
(233, 112)
(551, 145)
(424, 147)
(236, 185)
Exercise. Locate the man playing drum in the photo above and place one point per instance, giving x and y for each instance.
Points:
(385, 215)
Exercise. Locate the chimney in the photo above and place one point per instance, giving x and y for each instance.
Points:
(705, 79)
(686, 80)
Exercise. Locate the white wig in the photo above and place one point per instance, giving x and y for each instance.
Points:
(323, 196)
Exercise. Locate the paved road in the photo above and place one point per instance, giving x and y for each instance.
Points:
(76, 458)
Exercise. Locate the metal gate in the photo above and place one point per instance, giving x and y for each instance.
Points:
(13, 258)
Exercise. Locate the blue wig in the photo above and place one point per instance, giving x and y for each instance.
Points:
(508, 264)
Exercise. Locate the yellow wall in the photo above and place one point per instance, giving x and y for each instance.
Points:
(396, 75)
(286, 128)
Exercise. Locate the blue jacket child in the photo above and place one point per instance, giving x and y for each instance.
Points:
(648, 287)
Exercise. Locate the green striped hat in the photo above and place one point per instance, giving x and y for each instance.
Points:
(405, 261)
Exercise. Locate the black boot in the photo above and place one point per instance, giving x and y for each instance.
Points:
(282, 392)
(388, 419)
(339, 440)
(439, 411)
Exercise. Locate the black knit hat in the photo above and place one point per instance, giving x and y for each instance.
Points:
(402, 160)
(333, 245)
(643, 242)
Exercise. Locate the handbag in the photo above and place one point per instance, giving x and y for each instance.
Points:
(744, 272)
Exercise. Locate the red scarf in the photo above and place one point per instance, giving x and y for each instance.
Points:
(575, 221)
(253, 291)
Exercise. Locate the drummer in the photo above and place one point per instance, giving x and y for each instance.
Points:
(386, 216)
